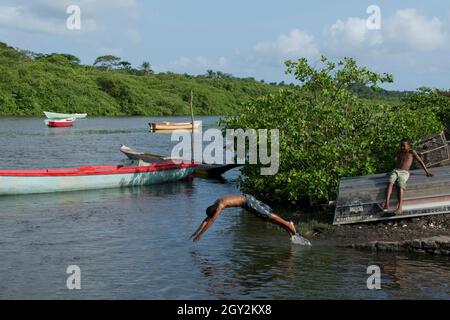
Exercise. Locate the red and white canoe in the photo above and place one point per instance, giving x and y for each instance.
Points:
(56, 123)
(91, 177)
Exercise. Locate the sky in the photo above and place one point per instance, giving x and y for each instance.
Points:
(248, 38)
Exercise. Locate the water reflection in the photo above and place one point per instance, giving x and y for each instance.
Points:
(415, 276)
(76, 198)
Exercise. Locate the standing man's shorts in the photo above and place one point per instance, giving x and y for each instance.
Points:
(257, 207)
(401, 176)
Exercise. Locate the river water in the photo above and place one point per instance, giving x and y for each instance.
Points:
(133, 243)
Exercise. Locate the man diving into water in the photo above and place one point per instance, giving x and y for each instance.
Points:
(247, 202)
(404, 160)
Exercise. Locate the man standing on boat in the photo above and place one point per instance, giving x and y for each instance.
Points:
(404, 159)
(247, 202)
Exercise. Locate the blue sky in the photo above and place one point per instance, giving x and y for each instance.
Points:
(245, 38)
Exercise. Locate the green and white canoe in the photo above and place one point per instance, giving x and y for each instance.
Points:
(53, 115)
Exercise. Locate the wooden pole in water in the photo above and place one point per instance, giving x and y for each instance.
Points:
(192, 134)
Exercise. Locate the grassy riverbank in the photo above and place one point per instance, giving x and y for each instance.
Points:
(32, 82)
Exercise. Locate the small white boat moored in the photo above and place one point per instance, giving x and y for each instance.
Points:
(54, 115)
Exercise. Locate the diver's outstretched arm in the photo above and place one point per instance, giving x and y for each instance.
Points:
(209, 223)
(202, 225)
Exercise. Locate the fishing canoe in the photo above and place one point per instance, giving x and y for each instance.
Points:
(14, 182)
(57, 123)
(134, 154)
(204, 169)
(54, 115)
(154, 126)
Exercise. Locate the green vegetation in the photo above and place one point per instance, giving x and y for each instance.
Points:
(32, 82)
(328, 132)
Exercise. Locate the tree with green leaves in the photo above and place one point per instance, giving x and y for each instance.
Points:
(107, 62)
(436, 100)
(125, 65)
(147, 68)
(62, 58)
(327, 132)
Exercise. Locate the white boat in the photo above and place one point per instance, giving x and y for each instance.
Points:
(54, 115)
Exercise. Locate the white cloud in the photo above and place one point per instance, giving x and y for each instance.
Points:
(351, 34)
(405, 32)
(54, 8)
(408, 30)
(49, 16)
(294, 45)
(18, 18)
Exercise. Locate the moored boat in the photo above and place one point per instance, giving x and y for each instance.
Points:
(54, 115)
(203, 169)
(134, 154)
(90, 177)
(56, 123)
(173, 125)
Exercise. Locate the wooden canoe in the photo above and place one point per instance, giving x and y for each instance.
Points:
(154, 126)
(91, 177)
(359, 198)
(204, 169)
(133, 154)
(54, 115)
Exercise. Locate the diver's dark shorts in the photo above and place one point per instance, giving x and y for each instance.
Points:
(257, 207)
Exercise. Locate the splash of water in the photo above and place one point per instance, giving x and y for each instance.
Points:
(298, 239)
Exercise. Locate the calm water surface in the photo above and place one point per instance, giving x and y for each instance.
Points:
(133, 243)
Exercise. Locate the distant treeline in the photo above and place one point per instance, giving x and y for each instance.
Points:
(32, 82)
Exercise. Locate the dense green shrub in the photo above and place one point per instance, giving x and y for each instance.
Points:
(430, 99)
(327, 131)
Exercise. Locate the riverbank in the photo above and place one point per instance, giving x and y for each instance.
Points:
(428, 234)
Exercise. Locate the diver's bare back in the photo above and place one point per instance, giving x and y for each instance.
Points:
(232, 201)
(405, 159)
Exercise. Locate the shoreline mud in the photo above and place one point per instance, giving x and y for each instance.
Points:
(427, 234)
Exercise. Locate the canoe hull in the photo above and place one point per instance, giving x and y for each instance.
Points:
(59, 124)
(54, 115)
(13, 185)
(174, 125)
(206, 170)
